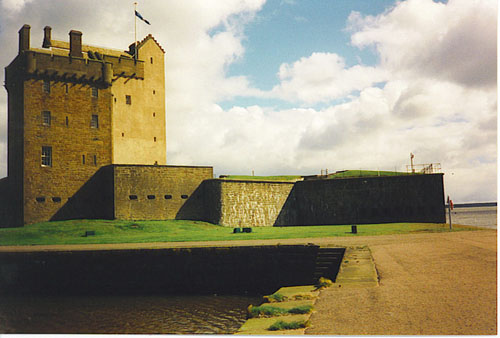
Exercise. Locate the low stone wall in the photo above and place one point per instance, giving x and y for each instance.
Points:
(255, 269)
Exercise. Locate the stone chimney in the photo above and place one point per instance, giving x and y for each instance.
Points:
(75, 44)
(24, 38)
(47, 37)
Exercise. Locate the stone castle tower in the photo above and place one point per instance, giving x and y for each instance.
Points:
(74, 108)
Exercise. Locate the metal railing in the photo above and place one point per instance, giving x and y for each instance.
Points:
(430, 168)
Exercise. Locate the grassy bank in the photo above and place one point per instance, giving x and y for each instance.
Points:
(116, 231)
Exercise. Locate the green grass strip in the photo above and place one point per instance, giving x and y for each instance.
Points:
(274, 311)
(119, 231)
(282, 325)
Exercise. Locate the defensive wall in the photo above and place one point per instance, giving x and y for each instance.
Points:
(146, 192)
(365, 200)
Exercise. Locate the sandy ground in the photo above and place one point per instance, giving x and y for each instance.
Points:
(431, 284)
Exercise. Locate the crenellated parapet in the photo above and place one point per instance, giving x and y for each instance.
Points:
(73, 62)
(82, 70)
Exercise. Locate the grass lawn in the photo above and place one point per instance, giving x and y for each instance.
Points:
(290, 178)
(368, 173)
(116, 231)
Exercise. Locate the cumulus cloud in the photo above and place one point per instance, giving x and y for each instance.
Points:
(432, 93)
(323, 77)
(454, 41)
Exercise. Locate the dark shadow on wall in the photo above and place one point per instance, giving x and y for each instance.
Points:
(203, 204)
(373, 200)
(94, 200)
(11, 212)
(288, 214)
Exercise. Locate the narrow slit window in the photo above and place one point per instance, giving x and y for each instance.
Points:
(67, 121)
(151, 197)
(128, 99)
(56, 199)
(154, 138)
(66, 88)
(168, 197)
(46, 86)
(132, 197)
(40, 199)
(94, 92)
(95, 159)
(46, 156)
(94, 122)
(184, 197)
(83, 159)
(46, 119)
(151, 59)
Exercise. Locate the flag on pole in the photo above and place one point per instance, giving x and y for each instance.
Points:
(137, 14)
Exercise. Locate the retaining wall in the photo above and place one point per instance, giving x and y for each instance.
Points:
(365, 200)
(256, 269)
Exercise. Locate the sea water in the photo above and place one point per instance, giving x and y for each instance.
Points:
(475, 216)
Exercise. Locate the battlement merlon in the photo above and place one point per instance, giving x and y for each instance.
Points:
(73, 61)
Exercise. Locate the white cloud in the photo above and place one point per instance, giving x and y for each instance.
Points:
(323, 77)
(453, 42)
(436, 92)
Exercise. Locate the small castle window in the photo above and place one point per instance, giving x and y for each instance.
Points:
(95, 92)
(184, 197)
(132, 197)
(154, 114)
(154, 92)
(94, 122)
(154, 138)
(83, 159)
(40, 199)
(67, 122)
(56, 199)
(128, 99)
(151, 59)
(123, 134)
(46, 156)
(151, 197)
(46, 118)
(95, 159)
(46, 86)
(66, 88)
(168, 197)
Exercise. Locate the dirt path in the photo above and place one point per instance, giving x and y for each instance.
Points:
(432, 284)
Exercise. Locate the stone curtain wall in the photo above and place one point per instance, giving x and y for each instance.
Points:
(246, 203)
(416, 198)
(146, 192)
(368, 200)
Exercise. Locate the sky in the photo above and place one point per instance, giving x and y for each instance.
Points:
(299, 86)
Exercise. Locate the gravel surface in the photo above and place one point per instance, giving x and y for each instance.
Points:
(430, 284)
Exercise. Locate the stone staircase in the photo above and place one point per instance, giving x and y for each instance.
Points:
(328, 263)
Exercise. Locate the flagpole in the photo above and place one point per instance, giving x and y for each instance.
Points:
(135, 31)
